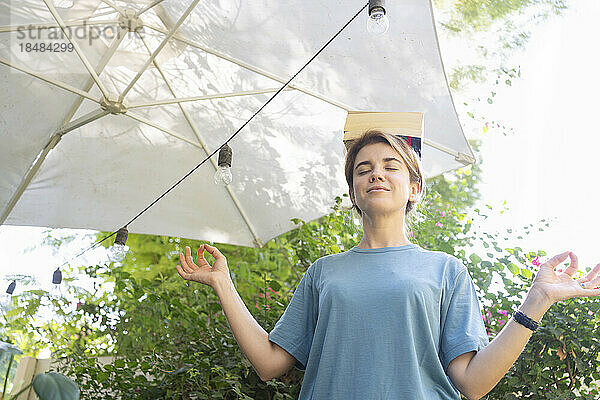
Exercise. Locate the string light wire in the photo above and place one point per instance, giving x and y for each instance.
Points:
(94, 245)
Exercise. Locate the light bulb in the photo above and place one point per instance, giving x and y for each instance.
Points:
(223, 175)
(56, 292)
(378, 23)
(117, 252)
(6, 298)
(5, 302)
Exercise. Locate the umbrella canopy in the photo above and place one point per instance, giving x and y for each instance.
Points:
(106, 104)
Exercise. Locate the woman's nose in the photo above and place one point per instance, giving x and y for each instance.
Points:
(376, 175)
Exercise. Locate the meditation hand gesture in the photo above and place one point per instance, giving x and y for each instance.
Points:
(203, 272)
(561, 286)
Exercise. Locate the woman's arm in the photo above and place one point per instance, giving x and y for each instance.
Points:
(476, 374)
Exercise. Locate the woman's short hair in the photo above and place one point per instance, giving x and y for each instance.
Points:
(408, 155)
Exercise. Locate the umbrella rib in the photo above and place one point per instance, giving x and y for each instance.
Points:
(254, 69)
(61, 85)
(192, 126)
(86, 119)
(101, 65)
(82, 57)
(67, 127)
(160, 128)
(207, 97)
(158, 49)
(463, 158)
(148, 7)
(114, 6)
(68, 24)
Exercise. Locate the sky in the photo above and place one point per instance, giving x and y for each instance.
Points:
(546, 169)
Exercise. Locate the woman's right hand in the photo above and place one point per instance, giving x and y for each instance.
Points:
(203, 272)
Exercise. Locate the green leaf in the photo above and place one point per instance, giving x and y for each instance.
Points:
(120, 364)
(145, 366)
(526, 273)
(55, 386)
(275, 286)
(513, 268)
(475, 258)
(102, 376)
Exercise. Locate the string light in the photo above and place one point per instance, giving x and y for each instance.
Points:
(377, 23)
(223, 175)
(118, 251)
(56, 291)
(5, 300)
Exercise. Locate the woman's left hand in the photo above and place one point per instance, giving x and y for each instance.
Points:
(557, 286)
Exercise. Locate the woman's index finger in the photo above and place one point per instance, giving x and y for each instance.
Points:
(200, 254)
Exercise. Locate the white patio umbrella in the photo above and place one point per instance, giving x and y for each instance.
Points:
(105, 104)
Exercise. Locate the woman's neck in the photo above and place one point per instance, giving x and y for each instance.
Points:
(383, 232)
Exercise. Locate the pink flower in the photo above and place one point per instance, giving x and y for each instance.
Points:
(448, 205)
(536, 261)
(501, 323)
(503, 312)
(484, 318)
(438, 224)
(261, 295)
(411, 234)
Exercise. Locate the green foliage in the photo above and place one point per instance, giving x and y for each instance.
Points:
(560, 359)
(478, 15)
(55, 386)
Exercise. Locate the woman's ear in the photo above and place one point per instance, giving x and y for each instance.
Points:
(414, 191)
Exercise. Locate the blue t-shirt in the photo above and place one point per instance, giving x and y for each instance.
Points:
(381, 324)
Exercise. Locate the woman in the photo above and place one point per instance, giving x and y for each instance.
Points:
(387, 319)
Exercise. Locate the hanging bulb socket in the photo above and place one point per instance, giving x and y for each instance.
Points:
(118, 251)
(225, 156)
(11, 287)
(376, 4)
(223, 173)
(57, 277)
(122, 236)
